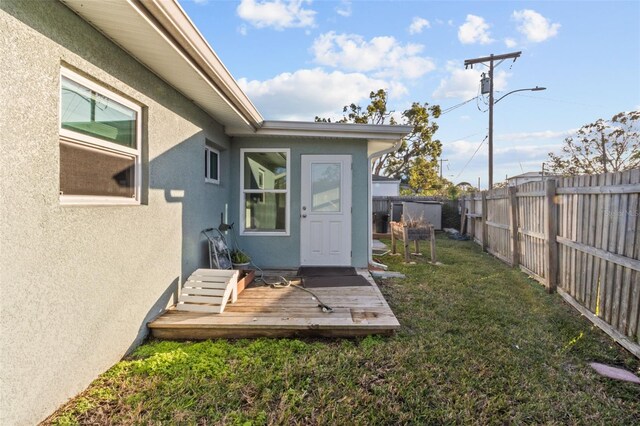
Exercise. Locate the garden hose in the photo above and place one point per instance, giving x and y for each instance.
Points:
(283, 283)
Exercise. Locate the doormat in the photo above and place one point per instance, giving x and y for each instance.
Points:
(326, 271)
(335, 281)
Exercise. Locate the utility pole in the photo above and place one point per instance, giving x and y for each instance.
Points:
(604, 153)
(491, 59)
(441, 160)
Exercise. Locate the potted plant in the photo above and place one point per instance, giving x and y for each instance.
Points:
(240, 259)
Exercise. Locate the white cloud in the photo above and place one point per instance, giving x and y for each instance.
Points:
(474, 30)
(344, 8)
(465, 149)
(201, 1)
(464, 83)
(418, 24)
(540, 135)
(534, 26)
(510, 43)
(242, 29)
(278, 14)
(305, 93)
(384, 56)
(525, 151)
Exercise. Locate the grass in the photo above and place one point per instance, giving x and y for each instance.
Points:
(480, 343)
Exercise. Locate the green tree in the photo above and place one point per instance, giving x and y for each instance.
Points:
(600, 147)
(416, 160)
(437, 187)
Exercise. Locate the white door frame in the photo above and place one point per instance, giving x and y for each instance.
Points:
(325, 237)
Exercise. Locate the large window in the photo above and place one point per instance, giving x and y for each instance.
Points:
(99, 144)
(264, 180)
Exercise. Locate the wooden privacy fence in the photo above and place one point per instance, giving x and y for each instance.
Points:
(577, 235)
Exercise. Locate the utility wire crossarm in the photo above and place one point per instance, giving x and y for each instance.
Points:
(491, 59)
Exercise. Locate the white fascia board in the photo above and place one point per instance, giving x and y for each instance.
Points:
(377, 148)
(176, 21)
(386, 133)
(168, 55)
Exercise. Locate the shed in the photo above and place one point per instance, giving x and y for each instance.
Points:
(430, 211)
(383, 186)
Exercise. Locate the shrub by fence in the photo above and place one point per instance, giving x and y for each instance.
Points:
(579, 235)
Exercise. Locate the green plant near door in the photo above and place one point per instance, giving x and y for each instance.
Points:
(239, 257)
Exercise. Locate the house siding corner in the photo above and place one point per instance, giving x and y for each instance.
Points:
(80, 283)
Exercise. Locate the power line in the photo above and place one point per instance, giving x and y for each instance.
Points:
(560, 101)
(478, 100)
(474, 154)
(451, 108)
(465, 137)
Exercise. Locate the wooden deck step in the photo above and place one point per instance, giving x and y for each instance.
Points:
(208, 291)
(262, 311)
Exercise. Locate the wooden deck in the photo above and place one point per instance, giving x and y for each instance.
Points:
(262, 311)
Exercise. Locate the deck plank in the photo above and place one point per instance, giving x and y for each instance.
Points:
(263, 311)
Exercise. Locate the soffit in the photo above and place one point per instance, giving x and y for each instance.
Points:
(131, 27)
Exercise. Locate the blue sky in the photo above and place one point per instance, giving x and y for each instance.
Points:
(297, 59)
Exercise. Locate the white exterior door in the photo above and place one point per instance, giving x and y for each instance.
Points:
(325, 210)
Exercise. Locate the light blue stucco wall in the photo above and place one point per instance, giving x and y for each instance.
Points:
(79, 283)
(284, 251)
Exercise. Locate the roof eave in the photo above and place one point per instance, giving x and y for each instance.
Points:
(177, 45)
(176, 21)
(327, 130)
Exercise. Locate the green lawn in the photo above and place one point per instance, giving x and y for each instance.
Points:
(480, 343)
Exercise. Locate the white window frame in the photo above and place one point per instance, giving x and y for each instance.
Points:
(287, 191)
(207, 178)
(91, 141)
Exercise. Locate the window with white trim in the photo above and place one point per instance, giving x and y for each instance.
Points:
(264, 191)
(100, 152)
(211, 165)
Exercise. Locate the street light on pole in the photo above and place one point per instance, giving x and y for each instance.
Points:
(491, 104)
(531, 89)
(491, 59)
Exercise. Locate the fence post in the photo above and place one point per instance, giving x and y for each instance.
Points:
(471, 221)
(394, 244)
(485, 227)
(550, 234)
(515, 249)
(405, 240)
(463, 213)
(432, 236)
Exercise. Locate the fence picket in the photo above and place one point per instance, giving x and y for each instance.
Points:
(595, 218)
(590, 240)
(632, 249)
